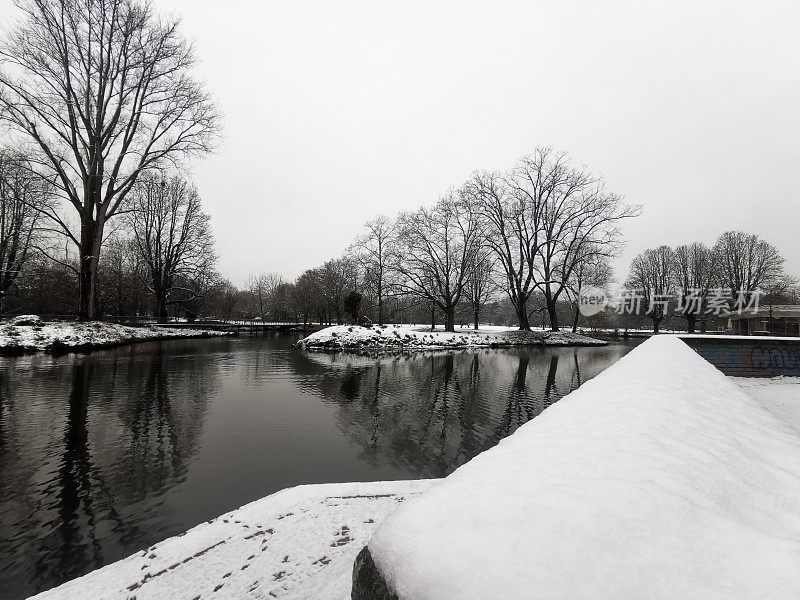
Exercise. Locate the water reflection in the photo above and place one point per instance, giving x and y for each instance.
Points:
(104, 454)
(82, 466)
(429, 413)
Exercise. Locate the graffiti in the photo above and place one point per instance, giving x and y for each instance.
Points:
(750, 358)
(775, 357)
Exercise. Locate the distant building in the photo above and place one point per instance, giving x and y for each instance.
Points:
(777, 319)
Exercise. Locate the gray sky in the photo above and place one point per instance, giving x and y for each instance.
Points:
(338, 111)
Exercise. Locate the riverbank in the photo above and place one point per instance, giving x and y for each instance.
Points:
(29, 334)
(380, 338)
(297, 544)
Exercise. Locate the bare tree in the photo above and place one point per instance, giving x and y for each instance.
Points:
(512, 227)
(481, 285)
(195, 291)
(22, 196)
(305, 296)
(693, 273)
(745, 262)
(123, 274)
(372, 249)
(651, 276)
(595, 271)
(544, 219)
(263, 289)
(336, 278)
(172, 234)
(228, 300)
(436, 248)
(103, 90)
(580, 220)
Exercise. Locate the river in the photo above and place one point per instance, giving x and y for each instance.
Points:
(106, 453)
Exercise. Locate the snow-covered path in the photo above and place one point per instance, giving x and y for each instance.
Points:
(298, 544)
(779, 395)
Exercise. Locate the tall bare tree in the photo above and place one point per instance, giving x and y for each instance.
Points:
(544, 219)
(372, 250)
(694, 273)
(580, 220)
(651, 276)
(103, 90)
(172, 234)
(746, 262)
(512, 228)
(481, 284)
(22, 196)
(436, 248)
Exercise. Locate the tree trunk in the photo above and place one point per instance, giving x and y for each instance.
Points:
(656, 323)
(575, 318)
(380, 302)
(161, 307)
(522, 315)
(450, 319)
(476, 314)
(553, 314)
(690, 323)
(91, 241)
(433, 317)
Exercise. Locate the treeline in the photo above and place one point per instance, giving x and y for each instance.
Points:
(159, 260)
(517, 245)
(696, 283)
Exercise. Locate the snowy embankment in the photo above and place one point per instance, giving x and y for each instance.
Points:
(657, 479)
(30, 334)
(298, 544)
(399, 337)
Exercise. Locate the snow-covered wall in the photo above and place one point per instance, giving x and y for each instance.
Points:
(657, 479)
(749, 356)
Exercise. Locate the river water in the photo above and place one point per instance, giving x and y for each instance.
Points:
(106, 453)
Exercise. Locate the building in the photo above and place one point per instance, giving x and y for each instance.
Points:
(776, 319)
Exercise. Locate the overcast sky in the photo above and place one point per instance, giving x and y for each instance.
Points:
(337, 111)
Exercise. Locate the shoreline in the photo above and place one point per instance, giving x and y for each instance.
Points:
(400, 339)
(58, 338)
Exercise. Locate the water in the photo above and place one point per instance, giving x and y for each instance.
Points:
(104, 454)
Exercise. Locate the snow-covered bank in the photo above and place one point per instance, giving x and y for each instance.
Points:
(399, 337)
(779, 395)
(658, 479)
(34, 335)
(297, 544)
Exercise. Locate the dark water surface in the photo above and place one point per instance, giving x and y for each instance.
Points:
(104, 454)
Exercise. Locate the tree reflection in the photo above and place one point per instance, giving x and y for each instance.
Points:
(130, 427)
(428, 413)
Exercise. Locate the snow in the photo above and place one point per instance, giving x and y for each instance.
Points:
(73, 335)
(657, 479)
(779, 395)
(297, 544)
(394, 337)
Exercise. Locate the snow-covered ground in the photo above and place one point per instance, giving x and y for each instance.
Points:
(405, 337)
(42, 336)
(659, 478)
(779, 395)
(298, 544)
